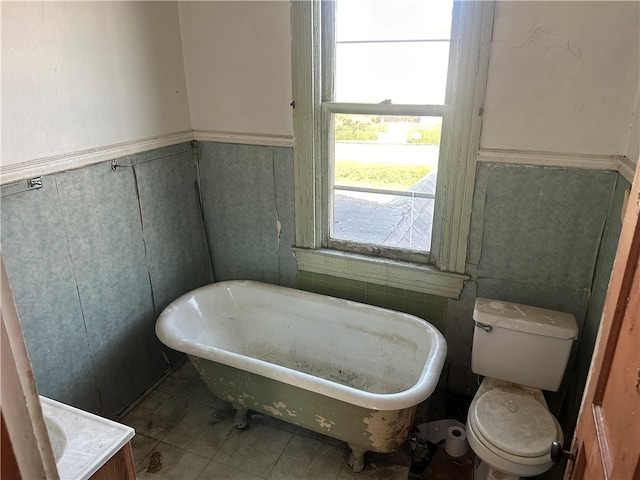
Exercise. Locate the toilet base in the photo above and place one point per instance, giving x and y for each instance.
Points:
(483, 471)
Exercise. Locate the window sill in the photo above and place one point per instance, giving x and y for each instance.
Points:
(393, 273)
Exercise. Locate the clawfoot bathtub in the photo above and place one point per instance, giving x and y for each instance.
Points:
(347, 370)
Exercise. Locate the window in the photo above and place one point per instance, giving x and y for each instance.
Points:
(387, 117)
(389, 59)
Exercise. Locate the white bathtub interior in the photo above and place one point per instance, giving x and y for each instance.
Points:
(326, 341)
(361, 354)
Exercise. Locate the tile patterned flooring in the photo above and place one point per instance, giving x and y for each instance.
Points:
(183, 432)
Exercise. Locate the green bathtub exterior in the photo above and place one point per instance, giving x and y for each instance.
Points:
(362, 428)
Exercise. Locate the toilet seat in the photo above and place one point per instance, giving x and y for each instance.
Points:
(514, 423)
(506, 463)
(493, 428)
(504, 455)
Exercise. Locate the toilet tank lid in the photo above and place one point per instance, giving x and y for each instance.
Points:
(525, 318)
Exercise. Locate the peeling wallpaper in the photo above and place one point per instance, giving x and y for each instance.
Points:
(92, 258)
(95, 255)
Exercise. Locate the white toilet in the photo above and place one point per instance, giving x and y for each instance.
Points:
(521, 350)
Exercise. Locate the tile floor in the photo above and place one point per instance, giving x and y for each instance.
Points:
(183, 432)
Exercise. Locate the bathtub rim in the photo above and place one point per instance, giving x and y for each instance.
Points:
(417, 393)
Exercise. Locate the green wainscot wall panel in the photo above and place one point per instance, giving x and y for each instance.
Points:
(428, 307)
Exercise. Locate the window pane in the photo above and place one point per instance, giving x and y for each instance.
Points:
(385, 179)
(393, 19)
(392, 50)
(413, 73)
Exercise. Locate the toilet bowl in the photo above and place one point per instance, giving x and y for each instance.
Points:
(510, 429)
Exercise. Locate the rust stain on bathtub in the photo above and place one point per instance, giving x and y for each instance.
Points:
(387, 430)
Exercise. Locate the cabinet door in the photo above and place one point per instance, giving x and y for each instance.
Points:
(120, 466)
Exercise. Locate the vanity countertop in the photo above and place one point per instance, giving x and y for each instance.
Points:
(82, 442)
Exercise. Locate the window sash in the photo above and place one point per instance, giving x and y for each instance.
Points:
(329, 108)
(328, 187)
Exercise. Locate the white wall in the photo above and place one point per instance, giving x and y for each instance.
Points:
(563, 77)
(633, 143)
(238, 66)
(81, 75)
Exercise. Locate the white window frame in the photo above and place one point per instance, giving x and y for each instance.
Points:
(444, 272)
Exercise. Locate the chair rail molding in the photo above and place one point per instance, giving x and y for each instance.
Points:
(619, 163)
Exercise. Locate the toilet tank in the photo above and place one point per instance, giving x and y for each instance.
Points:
(521, 344)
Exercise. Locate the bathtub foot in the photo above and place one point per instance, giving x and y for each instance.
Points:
(356, 459)
(240, 420)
